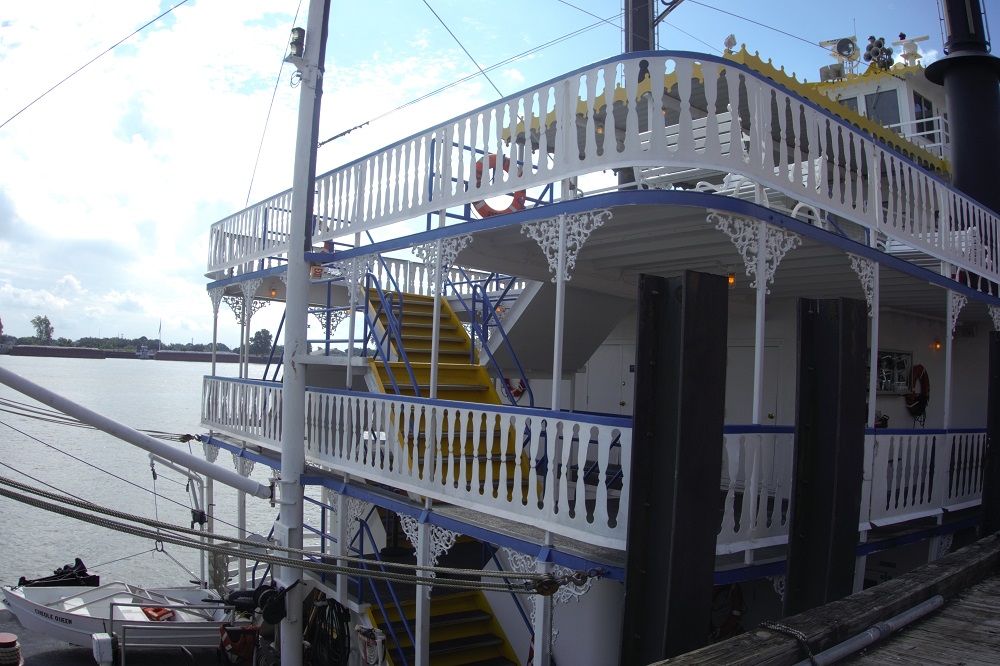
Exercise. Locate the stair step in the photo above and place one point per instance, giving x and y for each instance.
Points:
(449, 620)
(458, 645)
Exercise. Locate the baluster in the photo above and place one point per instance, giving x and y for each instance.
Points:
(731, 447)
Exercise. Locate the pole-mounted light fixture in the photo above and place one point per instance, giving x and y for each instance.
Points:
(296, 44)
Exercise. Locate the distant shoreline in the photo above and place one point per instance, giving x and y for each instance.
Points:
(162, 355)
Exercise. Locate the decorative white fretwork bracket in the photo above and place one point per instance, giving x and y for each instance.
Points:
(745, 234)
(578, 228)
(243, 465)
(442, 539)
(865, 270)
(353, 270)
(211, 451)
(956, 302)
(778, 583)
(450, 247)
(216, 295)
(995, 315)
(522, 563)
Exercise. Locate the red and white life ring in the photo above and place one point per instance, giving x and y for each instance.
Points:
(920, 391)
(516, 387)
(518, 197)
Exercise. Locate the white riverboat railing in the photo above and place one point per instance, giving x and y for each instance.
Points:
(416, 277)
(600, 118)
(561, 470)
(568, 473)
(757, 481)
(922, 473)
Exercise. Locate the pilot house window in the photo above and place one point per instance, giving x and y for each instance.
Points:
(923, 110)
(883, 107)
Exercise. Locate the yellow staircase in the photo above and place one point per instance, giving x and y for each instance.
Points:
(460, 377)
(462, 627)
(463, 631)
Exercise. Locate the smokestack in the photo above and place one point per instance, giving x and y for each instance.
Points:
(971, 79)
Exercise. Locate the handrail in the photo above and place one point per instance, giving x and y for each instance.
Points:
(274, 347)
(489, 312)
(517, 602)
(792, 145)
(363, 530)
(393, 328)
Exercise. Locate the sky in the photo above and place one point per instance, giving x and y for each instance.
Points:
(109, 183)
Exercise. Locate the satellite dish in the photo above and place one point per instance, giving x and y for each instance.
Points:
(847, 48)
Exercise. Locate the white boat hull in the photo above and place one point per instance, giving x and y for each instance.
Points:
(74, 614)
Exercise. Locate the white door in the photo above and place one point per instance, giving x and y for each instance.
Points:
(611, 379)
(739, 385)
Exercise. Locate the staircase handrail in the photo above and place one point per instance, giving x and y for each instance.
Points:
(274, 347)
(393, 328)
(385, 267)
(517, 602)
(489, 312)
(364, 530)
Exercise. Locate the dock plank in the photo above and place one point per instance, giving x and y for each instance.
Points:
(966, 630)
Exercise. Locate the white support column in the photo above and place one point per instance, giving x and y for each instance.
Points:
(542, 621)
(422, 631)
(868, 273)
(438, 257)
(436, 328)
(288, 529)
(216, 296)
(355, 290)
(342, 547)
(243, 468)
(759, 326)
(956, 302)
(762, 248)
(561, 240)
(557, 333)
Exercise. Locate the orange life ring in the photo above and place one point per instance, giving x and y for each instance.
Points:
(483, 208)
(920, 391)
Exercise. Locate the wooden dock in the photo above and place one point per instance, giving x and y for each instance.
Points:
(965, 631)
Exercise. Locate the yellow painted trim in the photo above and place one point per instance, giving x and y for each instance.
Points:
(817, 96)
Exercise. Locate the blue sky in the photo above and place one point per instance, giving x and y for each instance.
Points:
(109, 184)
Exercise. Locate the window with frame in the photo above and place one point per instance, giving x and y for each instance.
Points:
(851, 103)
(923, 109)
(883, 107)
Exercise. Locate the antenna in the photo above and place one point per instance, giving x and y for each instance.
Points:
(910, 53)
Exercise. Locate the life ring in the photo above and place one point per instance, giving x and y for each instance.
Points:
(515, 387)
(920, 391)
(483, 208)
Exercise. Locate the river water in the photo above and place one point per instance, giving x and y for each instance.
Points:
(147, 395)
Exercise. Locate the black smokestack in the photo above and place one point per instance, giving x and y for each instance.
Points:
(971, 79)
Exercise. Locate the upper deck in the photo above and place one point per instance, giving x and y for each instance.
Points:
(716, 125)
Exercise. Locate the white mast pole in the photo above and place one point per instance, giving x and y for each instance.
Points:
(307, 54)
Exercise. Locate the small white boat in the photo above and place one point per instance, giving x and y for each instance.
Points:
(175, 616)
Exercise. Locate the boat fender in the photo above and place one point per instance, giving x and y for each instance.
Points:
(484, 209)
(105, 649)
(920, 391)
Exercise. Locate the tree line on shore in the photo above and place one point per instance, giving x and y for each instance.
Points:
(260, 343)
